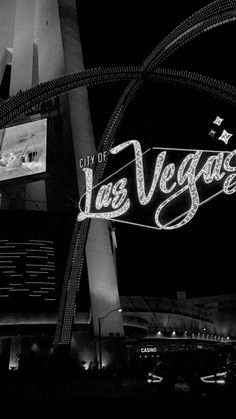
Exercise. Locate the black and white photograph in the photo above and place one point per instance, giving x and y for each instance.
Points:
(118, 201)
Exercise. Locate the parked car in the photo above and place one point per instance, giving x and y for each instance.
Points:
(193, 373)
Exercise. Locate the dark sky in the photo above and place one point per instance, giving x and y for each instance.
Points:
(198, 257)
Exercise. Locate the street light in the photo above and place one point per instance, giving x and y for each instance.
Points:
(99, 333)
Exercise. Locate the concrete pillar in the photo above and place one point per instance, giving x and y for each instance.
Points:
(7, 19)
(15, 351)
(22, 63)
(48, 64)
(83, 348)
(100, 263)
(47, 37)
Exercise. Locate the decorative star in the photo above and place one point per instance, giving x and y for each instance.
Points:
(212, 133)
(225, 136)
(218, 121)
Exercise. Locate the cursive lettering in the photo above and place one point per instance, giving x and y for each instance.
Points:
(167, 179)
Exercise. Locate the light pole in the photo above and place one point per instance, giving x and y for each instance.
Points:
(99, 334)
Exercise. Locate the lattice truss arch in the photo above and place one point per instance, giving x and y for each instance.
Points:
(210, 17)
(17, 105)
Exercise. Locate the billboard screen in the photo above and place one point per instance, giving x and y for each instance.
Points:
(23, 150)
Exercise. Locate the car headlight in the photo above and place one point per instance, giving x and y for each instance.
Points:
(153, 378)
(218, 378)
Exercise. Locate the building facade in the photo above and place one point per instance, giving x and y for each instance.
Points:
(40, 42)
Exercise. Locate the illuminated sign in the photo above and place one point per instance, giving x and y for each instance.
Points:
(173, 192)
(148, 350)
(90, 160)
(23, 150)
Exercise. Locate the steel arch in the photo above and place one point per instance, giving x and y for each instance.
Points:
(206, 19)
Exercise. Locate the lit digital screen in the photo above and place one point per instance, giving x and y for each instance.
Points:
(23, 150)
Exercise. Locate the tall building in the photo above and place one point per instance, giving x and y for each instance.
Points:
(40, 42)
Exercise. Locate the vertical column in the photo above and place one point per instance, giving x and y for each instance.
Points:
(7, 19)
(48, 64)
(102, 280)
(15, 351)
(22, 63)
(101, 270)
(48, 40)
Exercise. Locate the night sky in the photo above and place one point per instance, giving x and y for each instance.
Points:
(198, 257)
